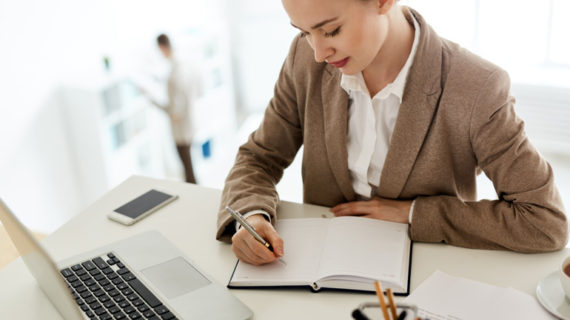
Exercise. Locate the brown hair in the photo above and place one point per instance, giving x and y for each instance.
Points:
(163, 40)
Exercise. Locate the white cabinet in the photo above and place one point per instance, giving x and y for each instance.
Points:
(112, 135)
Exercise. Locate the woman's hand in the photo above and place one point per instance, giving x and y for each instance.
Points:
(249, 250)
(376, 208)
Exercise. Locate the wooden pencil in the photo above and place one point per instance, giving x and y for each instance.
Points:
(380, 295)
(392, 304)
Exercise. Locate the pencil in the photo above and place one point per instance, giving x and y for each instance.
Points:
(392, 304)
(380, 295)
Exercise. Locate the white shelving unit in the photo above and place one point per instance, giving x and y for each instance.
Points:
(112, 135)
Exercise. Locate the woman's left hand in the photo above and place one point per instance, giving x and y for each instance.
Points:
(376, 208)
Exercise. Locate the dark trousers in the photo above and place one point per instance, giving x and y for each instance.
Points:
(184, 153)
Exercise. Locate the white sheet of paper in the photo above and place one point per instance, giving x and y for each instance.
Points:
(445, 297)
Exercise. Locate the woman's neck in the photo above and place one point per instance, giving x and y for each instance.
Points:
(393, 55)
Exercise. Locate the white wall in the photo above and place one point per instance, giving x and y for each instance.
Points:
(42, 43)
(45, 44)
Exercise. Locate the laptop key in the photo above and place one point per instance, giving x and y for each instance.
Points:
(161, 310)
(137, 302)
(90, 300)
(94, 272)
(148, 314)
(127, 291)
(120, 316)
(105, 317)
(100, 263)
(88, 265)
(147, 296)
(167, 316)
(135, 315)
(129, 277)
(66, 272)
(107, 270)
(99, 277)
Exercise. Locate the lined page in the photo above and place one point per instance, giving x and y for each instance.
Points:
(303, 240)
(365, 247)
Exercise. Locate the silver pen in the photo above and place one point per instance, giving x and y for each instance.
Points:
(239, 218)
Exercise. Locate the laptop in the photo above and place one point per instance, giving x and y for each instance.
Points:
(141, 277)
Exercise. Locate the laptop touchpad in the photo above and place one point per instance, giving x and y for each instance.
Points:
(175, 277)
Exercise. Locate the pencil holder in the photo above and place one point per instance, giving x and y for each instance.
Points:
(372, 311)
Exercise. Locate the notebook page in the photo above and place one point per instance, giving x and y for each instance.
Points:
(303, 240)
(364, 247)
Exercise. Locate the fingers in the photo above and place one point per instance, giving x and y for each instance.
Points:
(276, 242)
(355, 208)
(248, 249)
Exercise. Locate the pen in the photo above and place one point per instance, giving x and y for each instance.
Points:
(239, 218)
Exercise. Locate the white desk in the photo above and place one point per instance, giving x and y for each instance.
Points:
(190, 223)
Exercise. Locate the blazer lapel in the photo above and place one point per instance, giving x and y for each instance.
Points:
(335, 110)
(416, 113)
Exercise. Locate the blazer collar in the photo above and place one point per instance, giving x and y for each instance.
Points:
(418, 106)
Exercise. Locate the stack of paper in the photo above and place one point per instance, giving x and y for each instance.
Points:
(445, 297)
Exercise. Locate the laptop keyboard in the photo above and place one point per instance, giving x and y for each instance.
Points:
(104, 288)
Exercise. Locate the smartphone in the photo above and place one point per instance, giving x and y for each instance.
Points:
(140, 207)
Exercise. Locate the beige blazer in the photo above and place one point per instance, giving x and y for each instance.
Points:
(456, 119)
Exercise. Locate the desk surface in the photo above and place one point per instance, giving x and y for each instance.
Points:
(190, 223)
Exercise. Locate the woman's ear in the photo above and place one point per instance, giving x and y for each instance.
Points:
(384, 6)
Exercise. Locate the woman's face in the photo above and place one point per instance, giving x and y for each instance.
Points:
(347, 34)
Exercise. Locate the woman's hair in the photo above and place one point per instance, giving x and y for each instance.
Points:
(163, 40)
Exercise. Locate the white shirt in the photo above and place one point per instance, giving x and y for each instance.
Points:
(371, 123)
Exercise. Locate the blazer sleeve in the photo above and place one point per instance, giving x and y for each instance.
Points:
(528, 215)
(260, 162)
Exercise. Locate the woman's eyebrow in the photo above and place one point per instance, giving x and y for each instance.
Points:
(318, 25)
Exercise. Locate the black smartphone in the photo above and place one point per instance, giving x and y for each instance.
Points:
(140, 207)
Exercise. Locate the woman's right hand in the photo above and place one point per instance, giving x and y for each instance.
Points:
(248, 249)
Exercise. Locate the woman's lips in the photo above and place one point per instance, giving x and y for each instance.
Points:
(340, 63)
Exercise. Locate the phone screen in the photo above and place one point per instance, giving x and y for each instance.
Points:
(143, 203)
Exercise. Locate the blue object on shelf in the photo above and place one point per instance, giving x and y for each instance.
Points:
(206, 149)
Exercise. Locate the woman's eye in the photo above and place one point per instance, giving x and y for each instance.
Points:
(332, 33)
(304, 34)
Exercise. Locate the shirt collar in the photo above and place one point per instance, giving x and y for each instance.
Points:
(356, 82)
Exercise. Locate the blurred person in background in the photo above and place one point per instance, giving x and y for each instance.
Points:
(184, 87)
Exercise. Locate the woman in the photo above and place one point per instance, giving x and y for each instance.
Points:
(396, 123)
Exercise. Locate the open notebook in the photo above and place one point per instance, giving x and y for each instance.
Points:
(339, 253)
